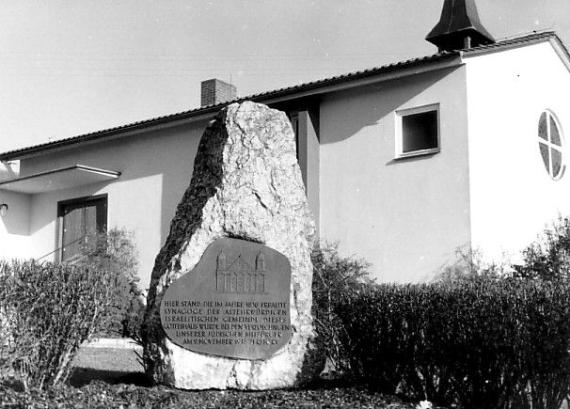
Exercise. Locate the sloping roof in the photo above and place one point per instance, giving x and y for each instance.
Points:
(287, 92)
(515, 42)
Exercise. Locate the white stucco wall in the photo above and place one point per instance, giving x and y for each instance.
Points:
(15, 226)
(513, 197)
(406, 217)
(155, 171)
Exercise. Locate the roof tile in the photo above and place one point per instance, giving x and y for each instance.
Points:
(286, 91)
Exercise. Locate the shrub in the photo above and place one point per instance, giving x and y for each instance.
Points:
(48, 311)
(471, 265)
(335, 279)
(480, 343)
(115, 251)
(548, 258)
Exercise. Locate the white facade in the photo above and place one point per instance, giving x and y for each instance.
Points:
(484, 186)
(405, 216)
(513, 198)
(155, 170)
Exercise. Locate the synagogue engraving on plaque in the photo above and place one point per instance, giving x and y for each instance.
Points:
(234, 303)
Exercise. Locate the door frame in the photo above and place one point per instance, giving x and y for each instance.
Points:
(61, 205)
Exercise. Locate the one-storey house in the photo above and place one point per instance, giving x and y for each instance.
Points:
(403, 164)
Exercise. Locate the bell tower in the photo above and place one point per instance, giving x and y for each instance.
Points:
(459, 27)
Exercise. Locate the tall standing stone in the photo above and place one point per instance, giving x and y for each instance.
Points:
(229, 304)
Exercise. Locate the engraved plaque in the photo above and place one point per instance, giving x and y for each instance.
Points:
(234, 303)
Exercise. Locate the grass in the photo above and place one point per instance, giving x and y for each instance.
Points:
(112, 365)
(113, 378)
(102, 395)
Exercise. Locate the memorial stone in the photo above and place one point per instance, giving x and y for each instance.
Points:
(229, 305)
(235, 302)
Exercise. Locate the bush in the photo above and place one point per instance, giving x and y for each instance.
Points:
(116, 252)
(548, 258)
(479, 343)
(335, 279)
(48, 311)
(470, 265)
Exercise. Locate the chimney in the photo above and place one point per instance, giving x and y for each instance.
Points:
(216, 91)
(459, 27)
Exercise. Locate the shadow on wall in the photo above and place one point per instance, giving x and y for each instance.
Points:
(177, 176)
(17, 218)
(166, 152)
(44, 206)
(14, 226)
(366, 106)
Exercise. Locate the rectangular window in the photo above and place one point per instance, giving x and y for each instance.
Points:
(417, 131)
(80, 222)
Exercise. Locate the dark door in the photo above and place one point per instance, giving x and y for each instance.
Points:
(81, 221)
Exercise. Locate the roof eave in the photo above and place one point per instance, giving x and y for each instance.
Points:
(548, 36)
(108, 134)
(447, 60)
(387, 73)
(561, 50)
(509, 44)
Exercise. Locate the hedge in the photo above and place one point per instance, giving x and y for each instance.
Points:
(46, 311)
(335, 278)
(479, 343)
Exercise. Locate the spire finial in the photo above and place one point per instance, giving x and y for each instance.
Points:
(459, 27)
(221, 261)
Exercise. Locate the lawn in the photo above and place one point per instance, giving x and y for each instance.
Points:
(113, 378)
(102, 395)
(112, 365)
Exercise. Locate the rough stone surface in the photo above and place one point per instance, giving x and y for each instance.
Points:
(246, 184)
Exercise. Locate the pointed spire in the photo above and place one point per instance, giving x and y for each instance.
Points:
(222, 263)
(260, 262)
(459, 27)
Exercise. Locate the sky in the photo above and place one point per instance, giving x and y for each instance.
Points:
(69, 67)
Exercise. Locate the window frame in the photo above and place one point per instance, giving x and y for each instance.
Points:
(62, 204)
(399, 143)
(550, 145)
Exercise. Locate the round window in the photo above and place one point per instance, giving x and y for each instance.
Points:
(550, 144)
